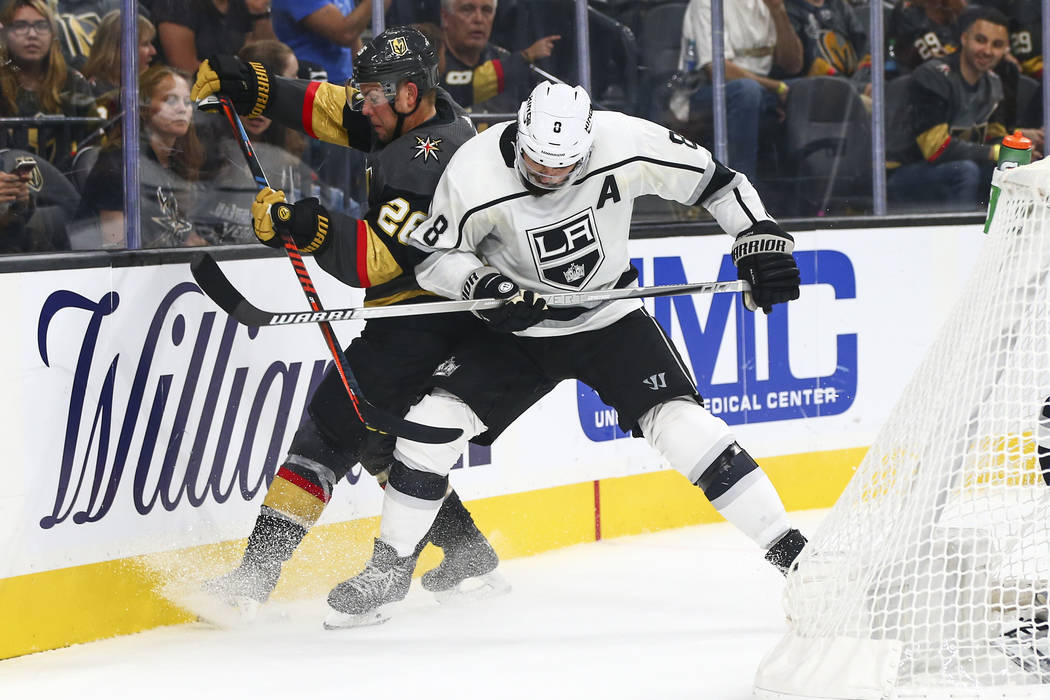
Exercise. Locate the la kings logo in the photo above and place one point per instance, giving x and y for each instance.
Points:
(568, 253)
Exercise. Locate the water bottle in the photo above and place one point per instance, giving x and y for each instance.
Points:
(690, 56)
(1015, 150)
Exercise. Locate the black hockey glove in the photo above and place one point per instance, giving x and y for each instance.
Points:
(306, 221)
(246, 84)
(762, 255)
(521, 308)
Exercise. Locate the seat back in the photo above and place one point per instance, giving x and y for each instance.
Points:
(828, 146)
(83, 162)
(659, 44)
(1029, 102)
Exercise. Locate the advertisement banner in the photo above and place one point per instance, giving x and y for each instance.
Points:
(139, 418)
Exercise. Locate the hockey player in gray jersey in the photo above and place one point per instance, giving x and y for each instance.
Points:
(410, 129)
(544, 205)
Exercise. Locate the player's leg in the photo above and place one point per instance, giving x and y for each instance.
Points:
(640, 373)
(297, 496)
(495, 382)
(411, 501)
(393, 359)
(468, 558)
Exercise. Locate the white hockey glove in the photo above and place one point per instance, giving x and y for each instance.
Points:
(762, 255)
(521, 308)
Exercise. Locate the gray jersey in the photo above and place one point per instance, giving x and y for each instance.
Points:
(575, 238)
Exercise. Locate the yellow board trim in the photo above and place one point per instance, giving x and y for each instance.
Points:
(57, 608)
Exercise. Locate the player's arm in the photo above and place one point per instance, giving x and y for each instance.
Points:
(929, 94)
(676, 168)
(449, 238)
(358, 252)
(318, 109)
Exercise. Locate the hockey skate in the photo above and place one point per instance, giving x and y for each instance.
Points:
(233, 599)
(468, 571)
(785, 551)
(364, 599)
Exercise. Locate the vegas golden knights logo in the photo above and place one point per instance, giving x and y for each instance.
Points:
(399, 46)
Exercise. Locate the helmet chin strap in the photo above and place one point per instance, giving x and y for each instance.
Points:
(401, 116)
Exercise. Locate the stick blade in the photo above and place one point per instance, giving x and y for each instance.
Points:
(380, 420)
(217, 286)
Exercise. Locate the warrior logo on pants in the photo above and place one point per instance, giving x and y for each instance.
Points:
(568, 252)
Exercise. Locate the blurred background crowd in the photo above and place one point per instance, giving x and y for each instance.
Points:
(797, 95)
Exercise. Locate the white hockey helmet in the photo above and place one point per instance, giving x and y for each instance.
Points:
(554, 131)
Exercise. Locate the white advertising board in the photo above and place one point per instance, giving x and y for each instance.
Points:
(139, 418)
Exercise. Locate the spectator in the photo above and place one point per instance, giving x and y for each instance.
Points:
(102, 68)
(923, 29)
(1026, 35)
(474, 71)
(16, 207)
(78, 22)
(190, 30)
(833, 40)
(170, 159)
(759, 38)
(225, 207)
(325, 32)
(37, 81)
(35, 205)
(957, 118)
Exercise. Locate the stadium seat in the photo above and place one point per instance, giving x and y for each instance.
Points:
(659, 43)
(828, 147)
(1029, 102)
(83, 162)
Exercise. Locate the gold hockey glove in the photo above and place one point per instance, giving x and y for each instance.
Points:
(306, 222)
(247, 84)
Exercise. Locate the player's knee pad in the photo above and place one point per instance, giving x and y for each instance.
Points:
(686, 434)
(438, 408)
(314, 443)
(729, 469)
(426, 486)
(377, 453)
(300, 490)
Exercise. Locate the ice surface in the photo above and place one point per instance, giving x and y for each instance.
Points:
(684, 613)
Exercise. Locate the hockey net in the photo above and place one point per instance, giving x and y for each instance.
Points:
(929, 576)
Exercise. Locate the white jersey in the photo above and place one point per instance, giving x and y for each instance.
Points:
(574, 238)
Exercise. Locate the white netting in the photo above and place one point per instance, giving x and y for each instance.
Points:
(933, 565)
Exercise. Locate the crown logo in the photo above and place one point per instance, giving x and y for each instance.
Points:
(446, 368)
(574, 272)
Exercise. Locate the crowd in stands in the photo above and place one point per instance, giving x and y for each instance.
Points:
(798, 89)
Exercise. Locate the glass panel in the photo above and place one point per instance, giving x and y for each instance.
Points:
(50, 115)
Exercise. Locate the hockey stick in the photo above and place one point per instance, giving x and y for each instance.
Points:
(372, 416)
(216, 285)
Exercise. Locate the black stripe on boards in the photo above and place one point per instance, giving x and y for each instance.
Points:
(740, 200)
(645, 159)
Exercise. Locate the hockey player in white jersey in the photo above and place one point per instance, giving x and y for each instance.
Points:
(544, 205)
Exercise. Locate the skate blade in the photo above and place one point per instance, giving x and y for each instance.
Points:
(341, 621)
(236, 611)
(489, 585)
